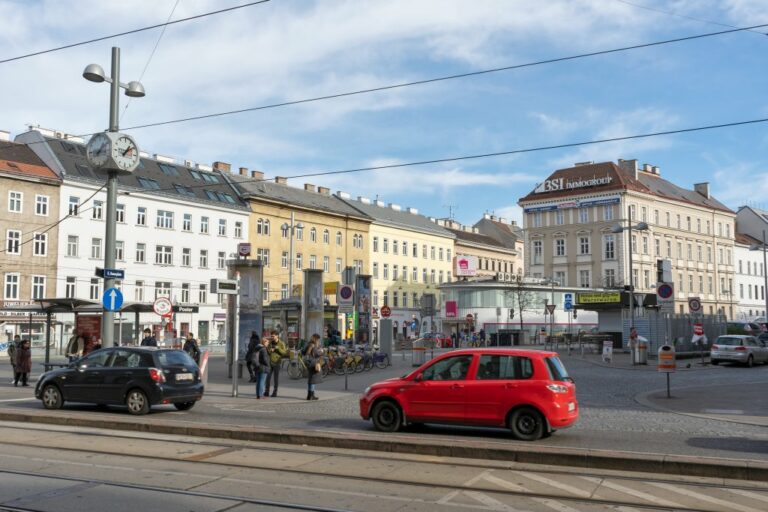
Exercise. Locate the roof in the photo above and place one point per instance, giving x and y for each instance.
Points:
(20, 160)
(398, 218)
(615, 178)
(505, 234)
(744, 239)
(252, 188)
(152, 177)
(476, 238)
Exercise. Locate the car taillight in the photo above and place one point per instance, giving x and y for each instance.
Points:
(557, 388)
(740, 348)
(156, 375)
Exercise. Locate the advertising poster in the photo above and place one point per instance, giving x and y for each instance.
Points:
(363, 308)
(249, 318)
(312, 303)
(89, 326)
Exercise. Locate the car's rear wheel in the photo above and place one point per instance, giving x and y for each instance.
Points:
(715, 362)
(184, 406)
(526, 424)
(750, 362)
(137, 402)
(51, 397)
(387, 417)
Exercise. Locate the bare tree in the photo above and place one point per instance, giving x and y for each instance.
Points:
(520, 298)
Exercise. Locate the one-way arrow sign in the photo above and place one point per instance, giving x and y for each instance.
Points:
(112, 300)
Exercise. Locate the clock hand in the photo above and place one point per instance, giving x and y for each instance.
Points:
(128, 150)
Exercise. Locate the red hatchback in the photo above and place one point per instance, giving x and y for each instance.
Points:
(527, 391)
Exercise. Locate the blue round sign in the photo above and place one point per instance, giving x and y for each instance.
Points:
(664, 291)
(112, 299)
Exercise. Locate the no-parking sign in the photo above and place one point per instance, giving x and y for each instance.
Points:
(665, 293)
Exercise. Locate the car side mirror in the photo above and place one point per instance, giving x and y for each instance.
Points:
(419, 377)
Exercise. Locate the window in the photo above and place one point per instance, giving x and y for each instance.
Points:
(299, 233)
(326, 264)
(415, 251)
(440, 254)
(385, 298)
(537, 252)
(699, 253)
(221, 260)
(493, 367)
(690, 283)
(299, 262)
(385, 246)
(72, 245)
(634, 243)
(450, 368)
(38, 287)
(537, 219)
(645, 245)
(186, 257)
(646, 279)
(656, 217)
(141, 253)
(284, 231)
(405, 273)
(375, 297)
(313, 235)
(583, 245)
(669, 248)
(728, 231)
(338, 238)
(168, 170)
(138, 291)
(203, 295)
(741, 291)
(162, 289)
(395, 272)
(690, 252)
(424, 251)
(15, 200)
(375, 244)
(260, 226)
(559, 247)
(96, 248)
(701, 283)
(415, 298)
(698, 225)
(679, 222)
(415, 275)
(265, 291)
(669, 222)
(41, 205)
(432, 252)
(312, 261)
(119, 250)
(266, 228)
(74, 205)
(284, 260)
(11, 286)
(584, 278)
(326, 236)
(559, 217)
(338, 265)
(657, 246)
(141, 216)
(632, 212)
(149, 183)
(98, 210)
(204, 225)
(583, 215)
(13, 242)
(69, 287)
(609, 247)
(395, 299)
(405, 299)
(284, 291)
(164, 255)
(608, 212)
(239, 229)
(222, 227)
(643, 214)
(185, 292)
(560, 278)
(432, 276)
(93, 291)
(395, 247)
(204, 258)
(164, 219)
(385, 275)
(681, 283)
(448, 254)
(375, 270)
(186, 224)
(610, 278)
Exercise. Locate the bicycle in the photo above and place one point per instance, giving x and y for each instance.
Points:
(380, 359)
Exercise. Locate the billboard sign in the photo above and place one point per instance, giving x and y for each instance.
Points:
(465, 266)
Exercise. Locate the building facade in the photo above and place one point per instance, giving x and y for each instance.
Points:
(29, 209)
(506, 233)
(572, 238)
(749, 278)
(481, 256)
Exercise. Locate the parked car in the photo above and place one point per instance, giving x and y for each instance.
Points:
(137, 377)
(436, 340)
(527, 391)
(739, 348)
(743, 328)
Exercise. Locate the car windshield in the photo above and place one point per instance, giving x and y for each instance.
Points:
(728, 340)
(174, 357)
(556, 370)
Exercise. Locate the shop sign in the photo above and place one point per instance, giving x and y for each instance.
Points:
(574, 203)
(466, 266)
(598, 298)
(558, 184)
(330, 288)
(451, 309)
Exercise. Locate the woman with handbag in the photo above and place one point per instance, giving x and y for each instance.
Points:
(313, 356)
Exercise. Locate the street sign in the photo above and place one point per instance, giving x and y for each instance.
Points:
(551, 308)
(345, 298)
(244, 249)
(114, 273)
(694, 304)
(224, 286)
(568, 301)
(385, 311)
(162, 306)
(698, 329)
(186, 309)
(112, 299)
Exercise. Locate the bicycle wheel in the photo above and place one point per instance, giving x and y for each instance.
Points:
(359, 365)
(368, 364)
(295, 370)
(338, 367)
(382, 361)
(349, 367)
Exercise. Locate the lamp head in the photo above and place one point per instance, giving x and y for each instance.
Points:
(641, 226)
(299, 225)
(285, 226)
(135, 90)
(94, 73)
(617, 228)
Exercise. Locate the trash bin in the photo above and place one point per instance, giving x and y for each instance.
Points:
(418, 353)
(641, 351)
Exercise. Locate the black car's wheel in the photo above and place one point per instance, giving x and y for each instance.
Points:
(184, 406)
(526, 424)
(51, 397)
(750, 362)
(715, 362)
(137, 402)
(387, 417)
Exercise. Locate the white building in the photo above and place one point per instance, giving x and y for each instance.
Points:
(176, 227)
(749, 278)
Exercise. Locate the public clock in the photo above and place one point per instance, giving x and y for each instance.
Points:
(112, 151)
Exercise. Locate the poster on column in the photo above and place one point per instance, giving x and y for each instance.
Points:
(312, 303)
(89, 326)
(363, 309)
(250, 318)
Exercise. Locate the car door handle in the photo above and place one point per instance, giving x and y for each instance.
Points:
(457, 386)
(510, 385)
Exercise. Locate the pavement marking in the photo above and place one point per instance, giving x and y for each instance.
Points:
(448, 497)
(18, 399)
(492, 503)
(554, 483)
(475, 479)
(555, 505)
(722, 411)
(639, 494)
(507, 485)
(729, 505)
(749, 494)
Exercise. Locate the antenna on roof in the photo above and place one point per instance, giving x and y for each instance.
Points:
(451, 210)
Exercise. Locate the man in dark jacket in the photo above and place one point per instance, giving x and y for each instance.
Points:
(253, 344)
(261, 362)
(148, 340)
(191, 348)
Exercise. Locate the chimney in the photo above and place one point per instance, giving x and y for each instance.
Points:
(648, 168)
(364, 200)
(412, 210)
(164, 159)
(243, 171)
(343, 195)
(657, 170)
(629, 166)
(5, 135)
(493, 217)
(324, 190)
(309, 187)
(702, 188)
(222, 166)
(257, 175)
(280, 180)
(189, 163)
(487, 216)
(395, 207)
(502, 220)
(380, 203)
(513, 223)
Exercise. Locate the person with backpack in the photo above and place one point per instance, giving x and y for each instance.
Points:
(191, 348)
(260, 360)
(253, 344)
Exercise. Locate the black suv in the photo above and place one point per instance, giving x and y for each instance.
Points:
(137, 377)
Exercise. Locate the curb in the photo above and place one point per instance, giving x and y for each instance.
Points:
(520, 453)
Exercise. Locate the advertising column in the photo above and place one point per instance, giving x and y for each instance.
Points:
(249, 318)
(363, 309)
(312, 304)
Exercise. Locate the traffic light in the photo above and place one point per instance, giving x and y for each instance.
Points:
(511, 313)
(659, 271)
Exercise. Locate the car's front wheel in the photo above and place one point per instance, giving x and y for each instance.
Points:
(715, 362)
(51, 397)
(137, 402)
(526, 424)
(184, 406)
(750, 362)
(387, 417)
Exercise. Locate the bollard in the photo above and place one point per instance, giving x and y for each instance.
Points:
(346, 381)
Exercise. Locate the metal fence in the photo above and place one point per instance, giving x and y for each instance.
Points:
(661, 328)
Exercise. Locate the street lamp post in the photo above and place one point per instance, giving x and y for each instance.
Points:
(291, 230)
(618, 228)
(95, 73)
(765, 272)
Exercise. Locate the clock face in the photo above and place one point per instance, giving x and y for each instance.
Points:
(125, 153)
(97, 150)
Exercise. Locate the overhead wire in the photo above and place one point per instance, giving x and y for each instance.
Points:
(129, 32)
(685, 16)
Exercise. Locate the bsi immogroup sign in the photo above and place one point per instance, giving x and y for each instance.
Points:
(558, 184)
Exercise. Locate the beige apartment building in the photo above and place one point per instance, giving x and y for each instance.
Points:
(570, 221)
(481, 256)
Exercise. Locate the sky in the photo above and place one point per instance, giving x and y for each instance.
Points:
(288, 50)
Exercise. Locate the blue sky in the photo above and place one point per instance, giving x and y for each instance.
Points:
(287, 50)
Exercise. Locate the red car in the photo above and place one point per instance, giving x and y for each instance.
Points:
(527, 391)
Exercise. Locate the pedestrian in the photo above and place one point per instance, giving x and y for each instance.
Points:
(148, 340)
(12, 346)
(91, 344)
(191, 348)
(75, 347)
(253, 344)
(260, 359)
(313, 358)
(23, 363)
(277, 352)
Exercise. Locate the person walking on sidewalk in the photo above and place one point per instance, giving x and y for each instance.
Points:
(191, 348)
(253, 344)
(261, 362)
(12, 346)
(313, 357)
(148, 340)
(277, 352)
(23, 363)
(75, 347)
